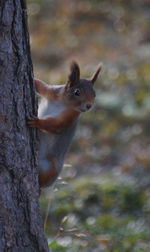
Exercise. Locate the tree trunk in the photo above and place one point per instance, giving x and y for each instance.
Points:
(21, 227)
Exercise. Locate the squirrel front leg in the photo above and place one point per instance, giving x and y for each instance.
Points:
(47, 124)
(44, 90)
(41, 87)
(54, 125)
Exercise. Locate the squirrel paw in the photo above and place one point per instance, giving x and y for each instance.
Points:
(33, 122)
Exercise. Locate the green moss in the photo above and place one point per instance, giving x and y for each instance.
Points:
(56, 247)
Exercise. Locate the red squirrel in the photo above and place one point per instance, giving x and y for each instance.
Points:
(57, 118)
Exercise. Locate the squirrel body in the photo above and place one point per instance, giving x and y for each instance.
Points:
(58, 114)
(53, 146)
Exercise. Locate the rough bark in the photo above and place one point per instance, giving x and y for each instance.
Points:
(21, 227)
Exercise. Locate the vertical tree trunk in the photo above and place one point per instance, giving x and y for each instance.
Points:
(21, 227)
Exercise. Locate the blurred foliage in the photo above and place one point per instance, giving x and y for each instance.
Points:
(110, 213)
(107, 208)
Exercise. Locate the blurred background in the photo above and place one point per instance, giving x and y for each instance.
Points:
(102, 200)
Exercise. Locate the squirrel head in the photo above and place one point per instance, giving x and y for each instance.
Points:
(79, 93)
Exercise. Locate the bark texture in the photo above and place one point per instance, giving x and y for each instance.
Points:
(21, 227)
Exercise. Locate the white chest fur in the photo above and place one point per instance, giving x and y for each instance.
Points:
(50, 108)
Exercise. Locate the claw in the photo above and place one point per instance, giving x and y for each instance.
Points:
(32, 121)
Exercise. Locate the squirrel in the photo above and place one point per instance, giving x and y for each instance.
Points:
(57, 119)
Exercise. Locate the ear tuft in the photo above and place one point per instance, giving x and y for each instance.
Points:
(96, 73)
(74, 76)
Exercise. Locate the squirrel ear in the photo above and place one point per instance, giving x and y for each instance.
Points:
(74, 76)
(96, 73)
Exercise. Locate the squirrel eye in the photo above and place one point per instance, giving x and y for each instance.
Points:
(77, 92)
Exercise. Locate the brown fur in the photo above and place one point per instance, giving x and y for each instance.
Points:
(56, 124)
(57, 119)
(47, 177)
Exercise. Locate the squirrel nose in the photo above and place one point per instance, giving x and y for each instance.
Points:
(88, 106)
